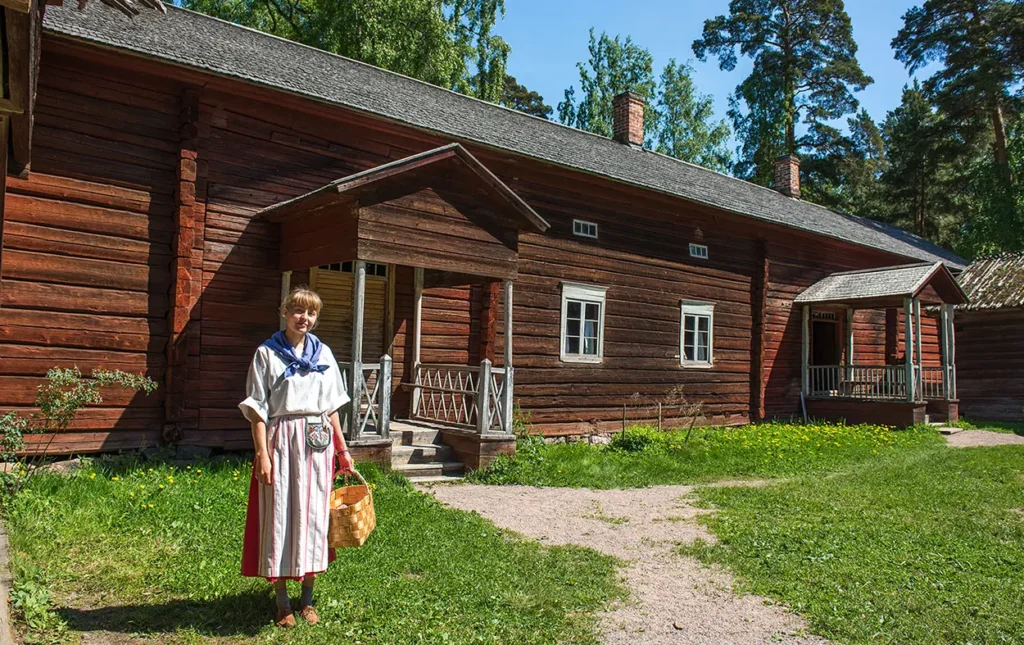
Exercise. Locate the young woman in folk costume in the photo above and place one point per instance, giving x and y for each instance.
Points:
(294, 389)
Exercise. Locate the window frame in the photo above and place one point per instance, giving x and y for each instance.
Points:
(584, 223)
(695, 308)
(583, 293)
(699, 251)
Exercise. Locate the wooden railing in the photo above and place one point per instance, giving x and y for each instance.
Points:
(373, 411)
(933, 383)
(464, 395)
(858, 381)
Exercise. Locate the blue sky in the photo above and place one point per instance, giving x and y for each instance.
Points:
(549, 37)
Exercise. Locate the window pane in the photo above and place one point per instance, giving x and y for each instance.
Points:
(592, 311)
(573, 310)
(572, 327)
(703, 323)
(702, 353)
(702, 339)
(572, 345)
(688, 339)
(590, 329)
(688, 352)
(689, 323)
(590, 346)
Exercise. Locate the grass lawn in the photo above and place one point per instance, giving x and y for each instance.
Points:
(914, 547)
(150, 549)
(646, 457)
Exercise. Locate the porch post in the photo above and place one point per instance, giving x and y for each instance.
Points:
(949, 348)
(849, 343)
(506, 410)
(417, 321)
(286, 288)
(805, 349)
(483, 397)
(356, 384)
(908, 346)
(919, 384)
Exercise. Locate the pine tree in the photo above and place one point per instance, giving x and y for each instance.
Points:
(687, 129)
(805, 70)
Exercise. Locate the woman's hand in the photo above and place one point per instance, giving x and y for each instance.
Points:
(264, 470)
(345, 464)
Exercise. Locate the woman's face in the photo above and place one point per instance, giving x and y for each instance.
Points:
(299, 320)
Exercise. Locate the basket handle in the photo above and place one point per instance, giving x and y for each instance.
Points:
(354, 472)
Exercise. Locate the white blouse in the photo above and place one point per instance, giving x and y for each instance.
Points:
(270, 395)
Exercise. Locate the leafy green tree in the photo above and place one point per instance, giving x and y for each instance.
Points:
(615, 66)
(918, 183)
(518, 97)
(805, 70)
(687, 129)
(449, 43)
(976, 43)
(844, 171)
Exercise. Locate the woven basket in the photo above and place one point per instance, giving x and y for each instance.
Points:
(351, 515)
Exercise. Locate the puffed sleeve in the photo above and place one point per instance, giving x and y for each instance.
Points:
(256, 406)
(333, 394)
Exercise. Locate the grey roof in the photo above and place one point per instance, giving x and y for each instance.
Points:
(994, 282)
(197, 41)
(885, 282)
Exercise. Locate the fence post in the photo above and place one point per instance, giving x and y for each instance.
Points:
(384, 387)
(357, 384)
(483, 397)
(506, 412)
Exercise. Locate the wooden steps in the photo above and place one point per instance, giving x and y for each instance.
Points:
(417, 453)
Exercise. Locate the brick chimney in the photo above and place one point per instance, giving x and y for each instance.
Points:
(628, 124)
(787, 175)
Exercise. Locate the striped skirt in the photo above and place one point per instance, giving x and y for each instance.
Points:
(286, 522)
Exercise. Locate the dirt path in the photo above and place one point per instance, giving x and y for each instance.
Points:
(976, 438)
(674, 599)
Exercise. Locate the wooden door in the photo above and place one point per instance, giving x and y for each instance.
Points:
(334, 283)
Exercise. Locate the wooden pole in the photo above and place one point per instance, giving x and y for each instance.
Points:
(417, 324)
(805, 349)
(908, 347)
(508, 323)
(286, 288)
(918, 385)
(509, 381)
(356, 385)
(951, 353)
(483, 398)
(944, 346)
(849, 343)
(384, 385)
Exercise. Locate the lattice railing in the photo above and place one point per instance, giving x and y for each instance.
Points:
(374, 399)
(464, 395)
(933, 384)
(858, 381)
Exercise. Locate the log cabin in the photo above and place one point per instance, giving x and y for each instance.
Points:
(476, 263)
(990, 339)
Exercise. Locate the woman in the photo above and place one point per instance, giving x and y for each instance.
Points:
(295, 389)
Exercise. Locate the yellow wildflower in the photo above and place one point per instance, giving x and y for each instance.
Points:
(92, 476)
(115, 479)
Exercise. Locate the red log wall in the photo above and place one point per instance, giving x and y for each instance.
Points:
(90, 275)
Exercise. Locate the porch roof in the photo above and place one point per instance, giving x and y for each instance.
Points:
(406, 175)
(932, 283)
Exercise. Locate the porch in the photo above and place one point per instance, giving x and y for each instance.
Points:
(901, 390)
(438, 220)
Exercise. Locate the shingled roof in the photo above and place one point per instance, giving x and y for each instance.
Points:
(883, 284)
(200, 42)
(994, 283)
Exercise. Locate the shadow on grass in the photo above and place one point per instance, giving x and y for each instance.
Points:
(238, 615)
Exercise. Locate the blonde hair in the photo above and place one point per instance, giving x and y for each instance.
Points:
(303, 297)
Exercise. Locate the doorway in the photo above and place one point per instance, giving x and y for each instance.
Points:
(334, 283)
(825, 346)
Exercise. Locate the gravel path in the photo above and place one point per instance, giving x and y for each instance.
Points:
(975, 438)
(674, 599)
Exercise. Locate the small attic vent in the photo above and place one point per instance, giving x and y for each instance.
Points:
(698, 251)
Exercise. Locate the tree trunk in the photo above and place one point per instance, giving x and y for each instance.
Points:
(999, 145)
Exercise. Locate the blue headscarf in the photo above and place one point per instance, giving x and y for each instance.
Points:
(309, 360)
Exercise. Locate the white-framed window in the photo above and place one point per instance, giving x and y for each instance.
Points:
(696, 334)
(584, 228)
(582, 337)
(698, 251)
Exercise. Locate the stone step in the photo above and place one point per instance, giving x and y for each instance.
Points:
(949, 430)
(410, 436)
(436, 479)
(436, 469)
(419, 453)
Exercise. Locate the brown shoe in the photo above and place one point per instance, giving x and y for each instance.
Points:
(285, 619)
(308, 614)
